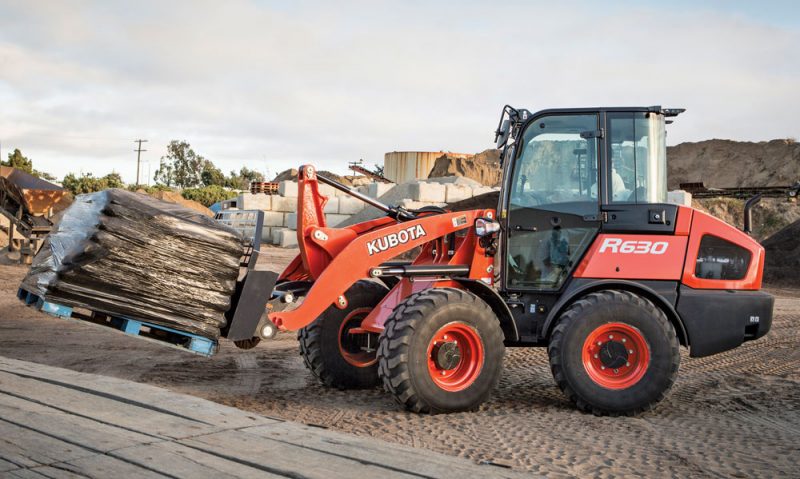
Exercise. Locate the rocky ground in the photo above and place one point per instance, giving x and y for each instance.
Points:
(735, 414)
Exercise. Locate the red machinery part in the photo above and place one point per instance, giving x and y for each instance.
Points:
(455, 356)
(615, 355)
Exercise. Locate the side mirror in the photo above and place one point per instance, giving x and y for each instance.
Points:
(502, 133)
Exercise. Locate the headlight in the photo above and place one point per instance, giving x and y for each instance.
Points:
(484, 226)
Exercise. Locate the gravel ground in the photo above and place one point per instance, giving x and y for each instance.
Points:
(734, 414)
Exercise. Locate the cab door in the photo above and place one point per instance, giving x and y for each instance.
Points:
(553, 211)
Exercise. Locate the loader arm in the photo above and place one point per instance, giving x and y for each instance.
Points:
(355, 259)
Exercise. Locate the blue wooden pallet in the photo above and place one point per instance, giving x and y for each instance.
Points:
(161, 334)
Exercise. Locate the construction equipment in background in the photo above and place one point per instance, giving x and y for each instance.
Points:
(356, 166)
(700, 190)
(27, 202)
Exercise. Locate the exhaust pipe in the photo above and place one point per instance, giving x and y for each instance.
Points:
(748, 213)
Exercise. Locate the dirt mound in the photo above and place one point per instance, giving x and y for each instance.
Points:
(286, 175)
(291, 175)
(175, 197)
(484, 201)
(728, 164)
(769, 216)
(783, 256)
(483, 167)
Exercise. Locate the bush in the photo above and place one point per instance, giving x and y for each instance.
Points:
(87, 183)
(208, 195)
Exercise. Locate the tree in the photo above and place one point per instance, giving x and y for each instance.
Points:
(241, 180)
(208, 195)
(211, 175)
(181, 166)
(87, 183)
(18, 161)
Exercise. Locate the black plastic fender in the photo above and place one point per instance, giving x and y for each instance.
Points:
(663, 294)
(490, 296)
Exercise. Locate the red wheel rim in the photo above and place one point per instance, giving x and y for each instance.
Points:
(350, 345)
(462, 371)
(616, 355)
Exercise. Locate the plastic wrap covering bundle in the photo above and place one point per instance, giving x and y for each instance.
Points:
(130, 255)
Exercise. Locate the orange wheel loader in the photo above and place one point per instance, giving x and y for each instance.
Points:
(583, 255)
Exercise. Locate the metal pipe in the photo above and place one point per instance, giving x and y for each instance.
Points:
(366, 199)
(421, 270)
(748, 213)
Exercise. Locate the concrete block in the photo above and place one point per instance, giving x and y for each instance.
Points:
(286, 204)
(291, 221)
(349, 205)
(455, 192)
(258, 201)
(287, 188)
(326, 190)
(266, 235)
(679, 197)
(376, 190)
(482, 190)
(364, 190)
(332, 206)
(273, 218)
(334, 220)
(428, 192)
(284, 237)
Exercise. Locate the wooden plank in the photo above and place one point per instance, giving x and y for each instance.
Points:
(103, 467)
(395, 456)
(50, 472)
(190, 407)
(70, 428)
(285, 459)
(28, 448)
(181, 461)
(104, 409)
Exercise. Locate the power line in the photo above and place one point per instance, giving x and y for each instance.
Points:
(139, 158)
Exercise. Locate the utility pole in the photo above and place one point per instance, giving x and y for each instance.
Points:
(138, 158)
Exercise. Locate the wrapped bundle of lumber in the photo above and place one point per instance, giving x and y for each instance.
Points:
(129, 255)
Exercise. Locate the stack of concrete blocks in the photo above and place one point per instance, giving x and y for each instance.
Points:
(280, 211)
(679, 197)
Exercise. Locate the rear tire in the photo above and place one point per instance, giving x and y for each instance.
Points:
(442, 351)
(614, 353)
(331, 354)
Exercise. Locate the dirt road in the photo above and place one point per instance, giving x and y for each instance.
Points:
(735, 414)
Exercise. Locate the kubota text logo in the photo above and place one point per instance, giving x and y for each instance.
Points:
(394, 239)
(618, 245)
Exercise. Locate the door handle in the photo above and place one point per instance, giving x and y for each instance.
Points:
(524, 228)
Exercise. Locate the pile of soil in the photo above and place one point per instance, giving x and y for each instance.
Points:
(783, 256)
(729, 164)
(483, 167)
(175, 197)
(769, 216)
(484, 201)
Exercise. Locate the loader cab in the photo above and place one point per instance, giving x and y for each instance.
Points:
(565, 171)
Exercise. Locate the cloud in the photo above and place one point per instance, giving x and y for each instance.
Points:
(266, 85)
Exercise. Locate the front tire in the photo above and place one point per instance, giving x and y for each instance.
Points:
(336, 357)
(614, 353)
(442, 351)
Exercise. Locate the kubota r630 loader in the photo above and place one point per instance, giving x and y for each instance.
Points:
(582, 255)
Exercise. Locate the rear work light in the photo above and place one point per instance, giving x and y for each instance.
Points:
(485, 226)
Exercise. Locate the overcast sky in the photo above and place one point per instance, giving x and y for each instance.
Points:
(272, 85)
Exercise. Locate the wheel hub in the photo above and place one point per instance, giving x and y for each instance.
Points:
(447, 355)
(613, 354)
(616, 355)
